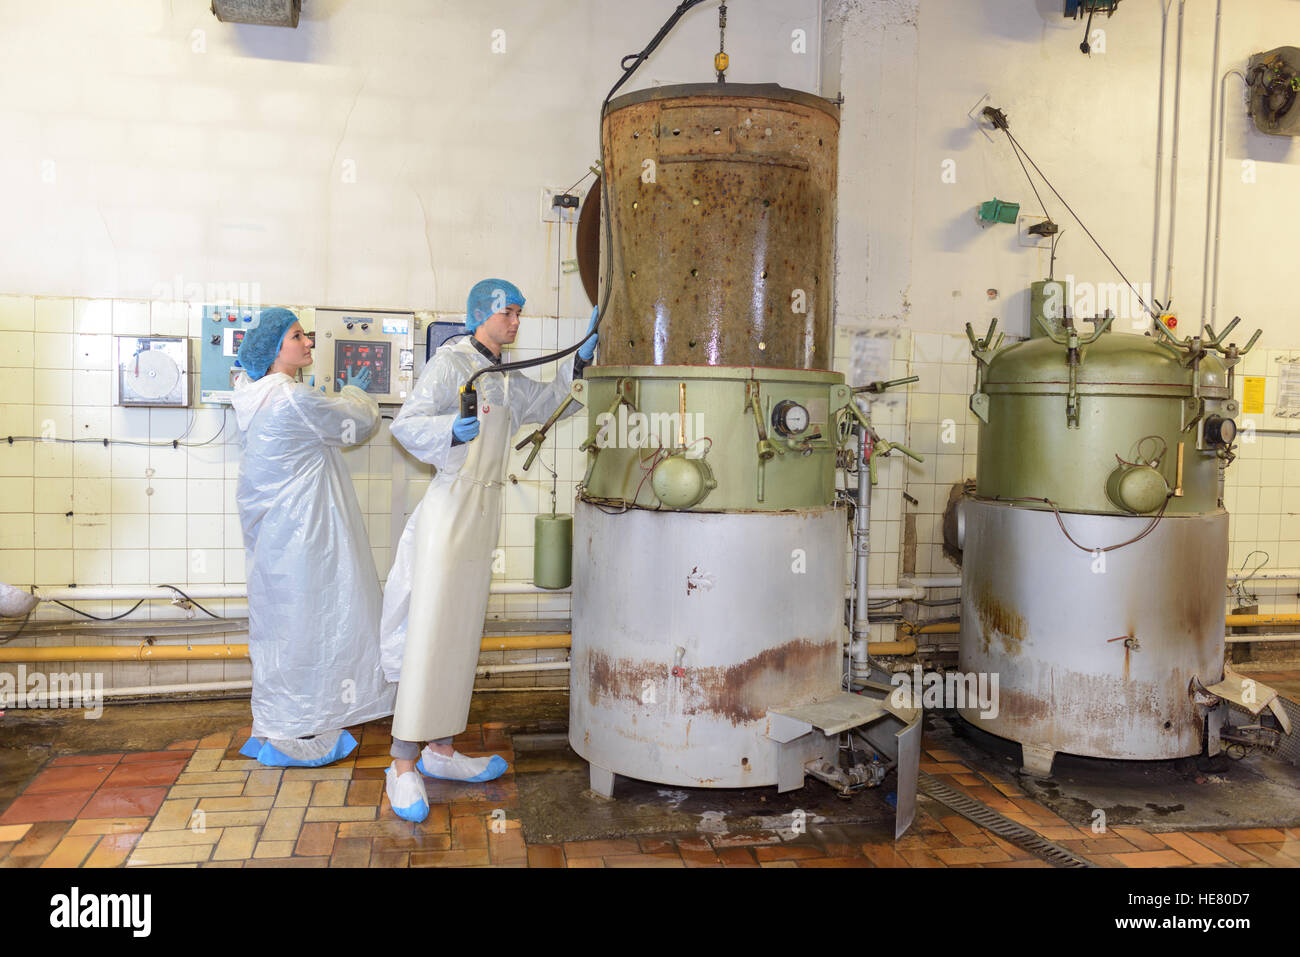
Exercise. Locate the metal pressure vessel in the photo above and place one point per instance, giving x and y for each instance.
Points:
(708, 554)
(1094, 548)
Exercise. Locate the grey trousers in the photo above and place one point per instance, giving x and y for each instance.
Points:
(410, 750)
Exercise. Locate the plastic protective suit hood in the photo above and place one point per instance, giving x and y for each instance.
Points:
(313, 594)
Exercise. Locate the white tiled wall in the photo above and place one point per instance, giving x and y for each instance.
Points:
(131, 515)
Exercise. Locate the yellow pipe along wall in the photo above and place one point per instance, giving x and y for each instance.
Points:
(144, 652)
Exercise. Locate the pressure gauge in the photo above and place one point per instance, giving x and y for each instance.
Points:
(789, 418)
(1220, 431)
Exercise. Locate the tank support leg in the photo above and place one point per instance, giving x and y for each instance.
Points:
(1037, 761)
(602, 781)
(789, 768)
(1214, 724)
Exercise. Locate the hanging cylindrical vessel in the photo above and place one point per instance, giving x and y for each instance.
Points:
(722, 220)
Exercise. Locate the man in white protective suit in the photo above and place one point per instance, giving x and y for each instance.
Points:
(431, 633)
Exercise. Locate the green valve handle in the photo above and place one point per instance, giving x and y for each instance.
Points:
(590, 442)
(890, 446)
(539, 436)
(532, 456)
(857, 414)
(889, 384)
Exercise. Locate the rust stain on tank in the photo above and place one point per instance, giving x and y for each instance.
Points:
(721, 208)
(792, 673)
(1101, 716)
(997, 618)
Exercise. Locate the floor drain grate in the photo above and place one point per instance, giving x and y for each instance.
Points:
(1003, 827)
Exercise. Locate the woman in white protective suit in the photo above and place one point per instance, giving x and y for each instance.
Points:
(313, 593)
(431, 634)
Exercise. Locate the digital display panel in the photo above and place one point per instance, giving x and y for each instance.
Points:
(351, 356)
(232, 340)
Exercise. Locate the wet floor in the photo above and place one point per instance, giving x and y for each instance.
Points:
(127, 789)
(1259, 790)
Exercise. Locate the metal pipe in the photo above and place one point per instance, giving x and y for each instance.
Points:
(1160, 142)
(906, 591)
(1218, 199)
(861, 539)
(200, 652)
(933, 581)
(914, 593)
(1277, 574)
(1231, 621)
(1246, 639)
(141, 652)
(65, 698)
(41, 700)
(484, 671)
(133, 592)
(938, 628)
(1173, 159)
(525, 642)
(1209, 174)
(202, 592)
(906, 646)
(1257, 621)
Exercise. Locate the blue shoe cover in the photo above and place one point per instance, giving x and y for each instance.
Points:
(409, 792)
(495, 768)
(251, 747)
(272, 757)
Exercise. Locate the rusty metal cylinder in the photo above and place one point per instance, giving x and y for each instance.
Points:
(721, 205)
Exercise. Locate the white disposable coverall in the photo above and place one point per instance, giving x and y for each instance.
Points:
(431, 636)
(313, 594)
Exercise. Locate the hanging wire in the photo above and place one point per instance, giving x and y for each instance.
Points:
(169, 444)
(86, 614)
(999, 122)
(190, 600)
(1151, 526)
(1051, 263)
(1041, 204)
(1244, 595)
(1154, 463)
(21, 625)
(629, 65)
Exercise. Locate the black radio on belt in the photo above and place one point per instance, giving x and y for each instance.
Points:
(468, 402)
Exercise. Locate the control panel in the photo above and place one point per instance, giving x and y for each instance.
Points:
(348, 340)
(223, 331)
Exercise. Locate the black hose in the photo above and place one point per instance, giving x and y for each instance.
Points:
(628, 69)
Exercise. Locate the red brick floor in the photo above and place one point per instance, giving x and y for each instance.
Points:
(201, 803)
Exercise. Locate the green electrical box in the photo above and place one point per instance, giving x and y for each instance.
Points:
(996, 211)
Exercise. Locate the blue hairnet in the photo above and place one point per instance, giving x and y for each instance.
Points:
(487, 298)
(262, 341)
